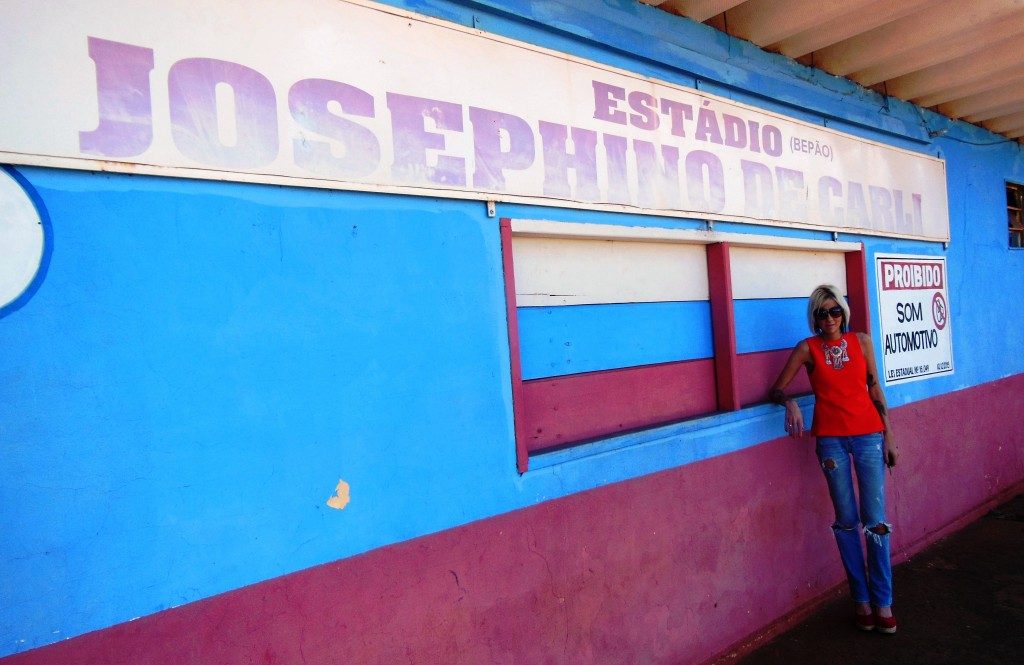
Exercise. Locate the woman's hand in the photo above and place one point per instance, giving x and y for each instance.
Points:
(794, 419)
(794, 422)
(890, 451)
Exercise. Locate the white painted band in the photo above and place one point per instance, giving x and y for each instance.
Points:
(758, 272)
(577, 271)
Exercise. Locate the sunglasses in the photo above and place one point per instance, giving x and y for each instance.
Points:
(835, 312)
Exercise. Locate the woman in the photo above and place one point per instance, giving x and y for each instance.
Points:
(850, 421)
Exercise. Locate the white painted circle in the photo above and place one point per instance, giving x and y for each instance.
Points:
(21, 240)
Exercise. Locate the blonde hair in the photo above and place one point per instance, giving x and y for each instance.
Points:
(820, 295)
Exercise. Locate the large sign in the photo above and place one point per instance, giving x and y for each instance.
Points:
(355, 95)
(917, 339)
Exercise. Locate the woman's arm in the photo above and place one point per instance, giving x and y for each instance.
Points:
(878, 397)
(801, 355)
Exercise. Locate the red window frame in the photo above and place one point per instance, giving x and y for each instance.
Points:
(726, 359)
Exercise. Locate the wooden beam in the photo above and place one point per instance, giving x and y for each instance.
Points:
(964, 70)
(1009, 107)
(931, 22)
(769, 21)
(723, 327)
(515, 362)
(1006, 123)
(995, 80)
(1009, 90)
(861, 17)
(998, 112)
(857, 293)
(963, 40)
(699, 10)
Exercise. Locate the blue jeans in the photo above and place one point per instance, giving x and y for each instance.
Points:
(874, 584)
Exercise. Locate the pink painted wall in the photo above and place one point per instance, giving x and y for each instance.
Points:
(563, 409)
(670, 568)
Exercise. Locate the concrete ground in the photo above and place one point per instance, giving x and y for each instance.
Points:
(959, 601)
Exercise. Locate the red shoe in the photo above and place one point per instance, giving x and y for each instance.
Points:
(885, 625)
(865, 621)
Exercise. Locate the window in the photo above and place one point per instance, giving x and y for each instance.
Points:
(614, 335)
(1015, 213)
(770, 286)
(614, 329)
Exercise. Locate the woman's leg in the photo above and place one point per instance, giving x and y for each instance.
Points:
(834, 457)
(869, 460)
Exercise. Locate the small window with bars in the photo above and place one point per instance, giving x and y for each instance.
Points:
(1015, 213)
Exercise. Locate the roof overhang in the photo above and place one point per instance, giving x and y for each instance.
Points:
(964, 60)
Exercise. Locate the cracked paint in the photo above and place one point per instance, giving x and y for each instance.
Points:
(341, 496)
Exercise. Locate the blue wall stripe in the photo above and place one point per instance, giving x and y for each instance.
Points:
(585, 338)
(765, 324)
(201, 365)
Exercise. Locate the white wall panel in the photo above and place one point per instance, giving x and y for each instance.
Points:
(569, 271)
(777, 273)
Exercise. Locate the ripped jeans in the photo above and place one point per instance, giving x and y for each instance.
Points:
(874, 584)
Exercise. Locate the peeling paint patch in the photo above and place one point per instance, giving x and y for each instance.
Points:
(341, 496)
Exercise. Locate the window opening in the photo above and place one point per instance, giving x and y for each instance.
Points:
(614, 329)
(1015, 213)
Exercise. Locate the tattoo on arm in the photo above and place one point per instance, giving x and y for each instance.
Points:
(880, 407)
(871, 380)
(777, 396)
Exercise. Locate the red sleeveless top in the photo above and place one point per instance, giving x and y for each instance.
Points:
(842, 405)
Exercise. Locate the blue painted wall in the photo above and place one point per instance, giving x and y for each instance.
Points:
(555, 341)
(203, 362)
(766, 324)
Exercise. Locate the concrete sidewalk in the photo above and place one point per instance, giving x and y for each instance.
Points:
(959, 601)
